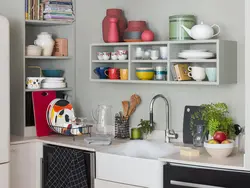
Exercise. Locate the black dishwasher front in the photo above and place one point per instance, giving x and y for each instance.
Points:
(89, 157)
(180, 176)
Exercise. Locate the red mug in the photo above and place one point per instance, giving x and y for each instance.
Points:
(113, 73)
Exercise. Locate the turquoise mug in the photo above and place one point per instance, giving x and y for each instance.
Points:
(100, 71)
(211, 73)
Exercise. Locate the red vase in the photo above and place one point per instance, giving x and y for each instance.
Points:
(113, 34)
(121, 24)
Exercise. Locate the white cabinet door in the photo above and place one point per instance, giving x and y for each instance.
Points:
(5, 90)
(4, 175)
(108, 184)
(23, 166)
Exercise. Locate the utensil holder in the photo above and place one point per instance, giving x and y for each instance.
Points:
(121, 128)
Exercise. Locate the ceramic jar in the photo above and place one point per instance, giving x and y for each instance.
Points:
(121, 24)
(45, 41)
(176, 32)
(134, 31)
(136, 26)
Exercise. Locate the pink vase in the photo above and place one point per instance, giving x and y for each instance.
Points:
(122, 23)
(113, 34)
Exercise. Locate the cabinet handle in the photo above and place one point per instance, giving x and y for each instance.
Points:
(195, 185)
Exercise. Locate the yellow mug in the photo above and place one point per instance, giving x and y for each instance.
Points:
(124, 74)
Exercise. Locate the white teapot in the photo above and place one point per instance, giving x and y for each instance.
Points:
(202, 31)
(45, 41)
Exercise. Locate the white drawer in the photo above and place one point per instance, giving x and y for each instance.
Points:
(108, 184)
(129, 170)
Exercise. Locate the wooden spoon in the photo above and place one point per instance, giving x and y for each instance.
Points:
(125, 106)
(132, 108)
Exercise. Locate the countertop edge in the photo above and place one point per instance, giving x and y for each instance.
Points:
(200, 164)
(170, 159)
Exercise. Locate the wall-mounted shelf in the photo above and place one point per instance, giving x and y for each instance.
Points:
(193, 60)
(110, 61)
(48, 57)
(46, 23)
(55, 89)
(149, 61)
(225, 60)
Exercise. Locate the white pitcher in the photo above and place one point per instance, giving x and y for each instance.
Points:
(45, 41)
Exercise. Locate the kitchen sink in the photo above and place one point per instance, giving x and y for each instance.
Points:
(144, 149)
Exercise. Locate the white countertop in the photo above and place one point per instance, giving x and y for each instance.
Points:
(235, 162)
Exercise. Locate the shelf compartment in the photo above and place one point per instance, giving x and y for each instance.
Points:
(155, 82)
(110, 61)
(133, 67)
(193, 60)
(110, 81)
(150, 61)
(120, 65)
(193, 83)
(47, 23)
(48, 57)
(55, 89)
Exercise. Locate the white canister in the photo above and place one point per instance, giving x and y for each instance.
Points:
(160, 73)
(139, 53)
(45, 41)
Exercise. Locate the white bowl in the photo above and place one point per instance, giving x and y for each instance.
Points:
(123, 57)
(33, 50)
(145, 68)
(219, 150)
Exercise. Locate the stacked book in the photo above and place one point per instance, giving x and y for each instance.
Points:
(58, 10)
(180, 72)
(34, 10)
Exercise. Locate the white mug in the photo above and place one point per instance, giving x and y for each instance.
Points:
(197, 73)
(139, 53)
(154, 54)
(164, 52)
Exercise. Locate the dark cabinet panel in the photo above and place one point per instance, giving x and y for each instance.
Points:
(204, 176)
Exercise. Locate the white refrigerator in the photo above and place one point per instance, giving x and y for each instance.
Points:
(4, 102)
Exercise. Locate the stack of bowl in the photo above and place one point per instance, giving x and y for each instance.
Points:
(145, 73)
(53, 79)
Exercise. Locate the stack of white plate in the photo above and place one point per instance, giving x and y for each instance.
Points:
(196, 54)
(54, 82)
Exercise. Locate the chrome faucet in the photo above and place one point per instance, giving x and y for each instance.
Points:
(168, 133)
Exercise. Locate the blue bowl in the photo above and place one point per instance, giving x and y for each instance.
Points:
(53, 73)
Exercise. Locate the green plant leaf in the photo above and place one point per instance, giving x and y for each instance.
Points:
(216, 118)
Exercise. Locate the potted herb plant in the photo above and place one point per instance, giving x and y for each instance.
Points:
(216, 118)
(146, 128)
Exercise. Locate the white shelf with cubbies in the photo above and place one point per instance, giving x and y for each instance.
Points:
(61, 60)
(190, 62)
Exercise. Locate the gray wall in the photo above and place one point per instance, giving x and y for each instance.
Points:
(229, 14)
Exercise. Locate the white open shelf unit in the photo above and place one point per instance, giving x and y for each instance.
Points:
(225, 60)
(48, 57)
(47, 23)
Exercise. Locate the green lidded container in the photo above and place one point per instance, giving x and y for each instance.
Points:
(176, 32)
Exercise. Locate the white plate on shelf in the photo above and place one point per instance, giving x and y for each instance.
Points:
(53, 85)
(196, 55)
(192, 51)
(53, 79)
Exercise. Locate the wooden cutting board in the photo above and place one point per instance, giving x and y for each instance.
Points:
(187, 134)
(41, 100)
